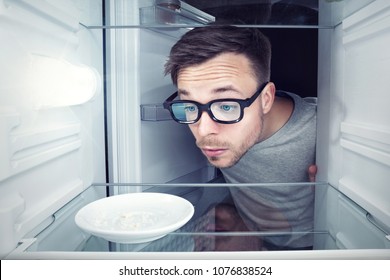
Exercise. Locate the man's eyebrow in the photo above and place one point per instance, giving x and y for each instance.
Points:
(183, 92)
(225, 88)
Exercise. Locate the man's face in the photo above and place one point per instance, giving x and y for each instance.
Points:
(225, 76)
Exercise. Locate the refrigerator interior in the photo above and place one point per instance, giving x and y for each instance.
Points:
(80, 118)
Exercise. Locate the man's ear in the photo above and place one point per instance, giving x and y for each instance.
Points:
(268, 97)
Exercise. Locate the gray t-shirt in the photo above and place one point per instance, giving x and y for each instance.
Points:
(282, 158)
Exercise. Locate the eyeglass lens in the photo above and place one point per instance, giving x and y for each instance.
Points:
(221, 110)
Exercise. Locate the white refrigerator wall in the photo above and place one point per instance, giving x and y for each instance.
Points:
(51, 113)
(353, 150)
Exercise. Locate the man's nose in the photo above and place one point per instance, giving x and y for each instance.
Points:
(206, 125)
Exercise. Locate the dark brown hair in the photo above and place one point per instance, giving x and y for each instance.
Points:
(204, 43)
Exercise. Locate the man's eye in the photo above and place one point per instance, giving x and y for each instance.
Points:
(190, 108)
(227, 108)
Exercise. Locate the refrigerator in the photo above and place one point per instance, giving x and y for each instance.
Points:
(81, 118)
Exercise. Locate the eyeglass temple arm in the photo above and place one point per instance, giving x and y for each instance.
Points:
(253, 98)
(169, 99)
(173, 96)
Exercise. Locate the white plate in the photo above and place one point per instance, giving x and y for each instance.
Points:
(134, 217)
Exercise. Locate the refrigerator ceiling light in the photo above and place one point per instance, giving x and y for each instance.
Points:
(59, 83)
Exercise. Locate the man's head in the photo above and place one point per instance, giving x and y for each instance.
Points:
(217, 63)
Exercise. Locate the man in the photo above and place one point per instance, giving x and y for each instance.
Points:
(247, 129)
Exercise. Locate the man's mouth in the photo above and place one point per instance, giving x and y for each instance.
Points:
(213, 152)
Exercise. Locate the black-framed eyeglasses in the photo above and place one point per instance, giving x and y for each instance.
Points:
(225, 111)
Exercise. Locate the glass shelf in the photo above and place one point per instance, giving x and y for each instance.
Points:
(218, 226)
(309, 14)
